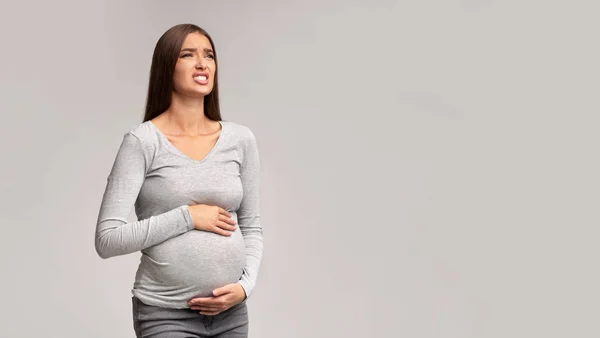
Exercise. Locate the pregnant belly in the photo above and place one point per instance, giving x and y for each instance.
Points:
(195, 262)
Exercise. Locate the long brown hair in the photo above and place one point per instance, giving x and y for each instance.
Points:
(164, 59)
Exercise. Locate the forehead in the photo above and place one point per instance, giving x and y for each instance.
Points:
(196, 40)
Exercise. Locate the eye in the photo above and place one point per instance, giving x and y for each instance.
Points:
(210, 56)
(187, 54)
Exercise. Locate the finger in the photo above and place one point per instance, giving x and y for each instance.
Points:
(221, 232)
(226, 219)
(225, 226)
(205, 301)
(211, 303)
(209, 313)
(218, 292)
(224, 212)
(205, 308)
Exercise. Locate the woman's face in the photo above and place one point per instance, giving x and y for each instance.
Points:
(195, 68)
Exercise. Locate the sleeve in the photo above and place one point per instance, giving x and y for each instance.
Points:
(249, 214)
(114, 235)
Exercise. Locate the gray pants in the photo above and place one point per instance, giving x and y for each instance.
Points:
(158, 322)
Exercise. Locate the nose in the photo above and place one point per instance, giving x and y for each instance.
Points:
(201, 65)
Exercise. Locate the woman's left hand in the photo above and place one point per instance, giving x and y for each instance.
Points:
(223, 298)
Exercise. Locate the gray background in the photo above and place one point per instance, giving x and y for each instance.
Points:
(430, 168)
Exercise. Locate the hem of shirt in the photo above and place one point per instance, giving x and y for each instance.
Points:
(155, 302)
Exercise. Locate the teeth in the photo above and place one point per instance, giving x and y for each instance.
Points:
(200, 78)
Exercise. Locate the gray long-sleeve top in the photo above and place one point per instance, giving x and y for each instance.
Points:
(179, 262)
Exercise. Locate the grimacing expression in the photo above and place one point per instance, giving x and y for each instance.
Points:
(195, 68)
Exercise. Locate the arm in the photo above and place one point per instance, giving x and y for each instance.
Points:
(114, 235)
(249, 214)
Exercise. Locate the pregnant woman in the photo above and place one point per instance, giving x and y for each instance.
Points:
(194, 182)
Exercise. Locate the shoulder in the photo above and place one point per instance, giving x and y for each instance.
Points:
(144, 134)
(142, 137)
(240, 132)
(142, 131)
(244, 139)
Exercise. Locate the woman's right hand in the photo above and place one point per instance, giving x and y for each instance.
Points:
(212, 218)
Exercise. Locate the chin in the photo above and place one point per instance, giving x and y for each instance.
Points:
(199, 93)
(203, 94)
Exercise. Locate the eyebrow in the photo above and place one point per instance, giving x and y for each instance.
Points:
(208, 50)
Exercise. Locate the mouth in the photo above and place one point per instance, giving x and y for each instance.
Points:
(201, 78)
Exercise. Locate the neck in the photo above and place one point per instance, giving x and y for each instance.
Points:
(186, 115)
